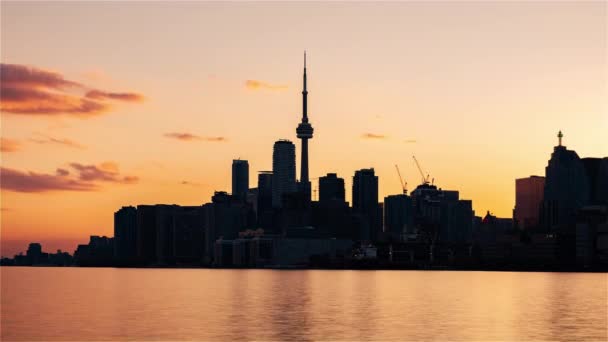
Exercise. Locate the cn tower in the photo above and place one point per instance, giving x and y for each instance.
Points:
(304, 132)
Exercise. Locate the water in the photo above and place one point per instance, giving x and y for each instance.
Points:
(200, 304)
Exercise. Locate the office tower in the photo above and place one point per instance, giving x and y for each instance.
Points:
(304, 132)
(566, 187)
(284, 171)
(529, 194)
(165, 214)
(240, 178)
(398, 216)
(125, 233)
(441, 215)
(265, 212)
(365, 203)
(597, 176)
(331, 187)
(188, 241)
(223, 218)
(146, 233)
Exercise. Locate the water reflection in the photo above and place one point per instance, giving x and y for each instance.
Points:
(197, 304)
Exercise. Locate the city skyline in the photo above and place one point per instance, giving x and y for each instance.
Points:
(197, 150)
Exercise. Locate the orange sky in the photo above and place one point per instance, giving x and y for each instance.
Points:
(129, 103)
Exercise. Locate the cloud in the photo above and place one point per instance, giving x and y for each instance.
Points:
(9, 145)
(192, 137)
(19, 181)
(102, 95)
(190, 183)
(31, 91)
(409, 141)
(373, 136)
(62, 172)
(86, 178)
(256, 85)
(57, 141)
(106, 172)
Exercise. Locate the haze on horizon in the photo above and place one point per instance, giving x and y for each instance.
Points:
(110, 104)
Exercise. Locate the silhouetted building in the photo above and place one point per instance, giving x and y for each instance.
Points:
(99, 252)
(592, 236)
(566, 187)
(529, 193)
(240, 178)
(304, 132)
(125, 234)
(146, 234)
(34, 253)
(284, 171)
(188, 235)
(224, 218)
(398, 216)
(365, 204)
(597, 176)
(441, 215)
(165, 214)
(265, 212)
(331, 188)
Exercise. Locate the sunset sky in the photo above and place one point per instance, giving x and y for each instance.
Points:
(109, 104)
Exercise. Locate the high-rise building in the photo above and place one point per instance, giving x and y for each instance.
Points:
(284, 171)
(240, 178)
(365, 203)
(125, 234)
(442, 215)
(529, 194)
(146, 233)
(224, 218)
(304, 132)
(331, 188)
(398, 215)
(566, 187)
(265, 212)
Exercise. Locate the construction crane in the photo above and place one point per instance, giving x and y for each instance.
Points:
(425, 180)
(403, 184)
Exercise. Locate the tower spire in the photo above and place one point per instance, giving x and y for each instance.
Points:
(304, 95)
(304, 132)
(560, 135)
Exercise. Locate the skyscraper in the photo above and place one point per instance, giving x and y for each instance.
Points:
(331, 187)
(365, 203)
(284, 171)
(398, 215)
(304, 132)
(566, 187)
(125, 233)
(240, 178)
(265, 199)
(529, 194)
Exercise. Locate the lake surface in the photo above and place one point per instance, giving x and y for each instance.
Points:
(80, 304)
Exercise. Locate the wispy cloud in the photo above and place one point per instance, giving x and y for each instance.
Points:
(183, 136)
(9, 145)
(256, 85)
(184, 182)
(373, 136)
(45, 139)
(102, 95)
(409, 141)
(84, 178)
(31, 91)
